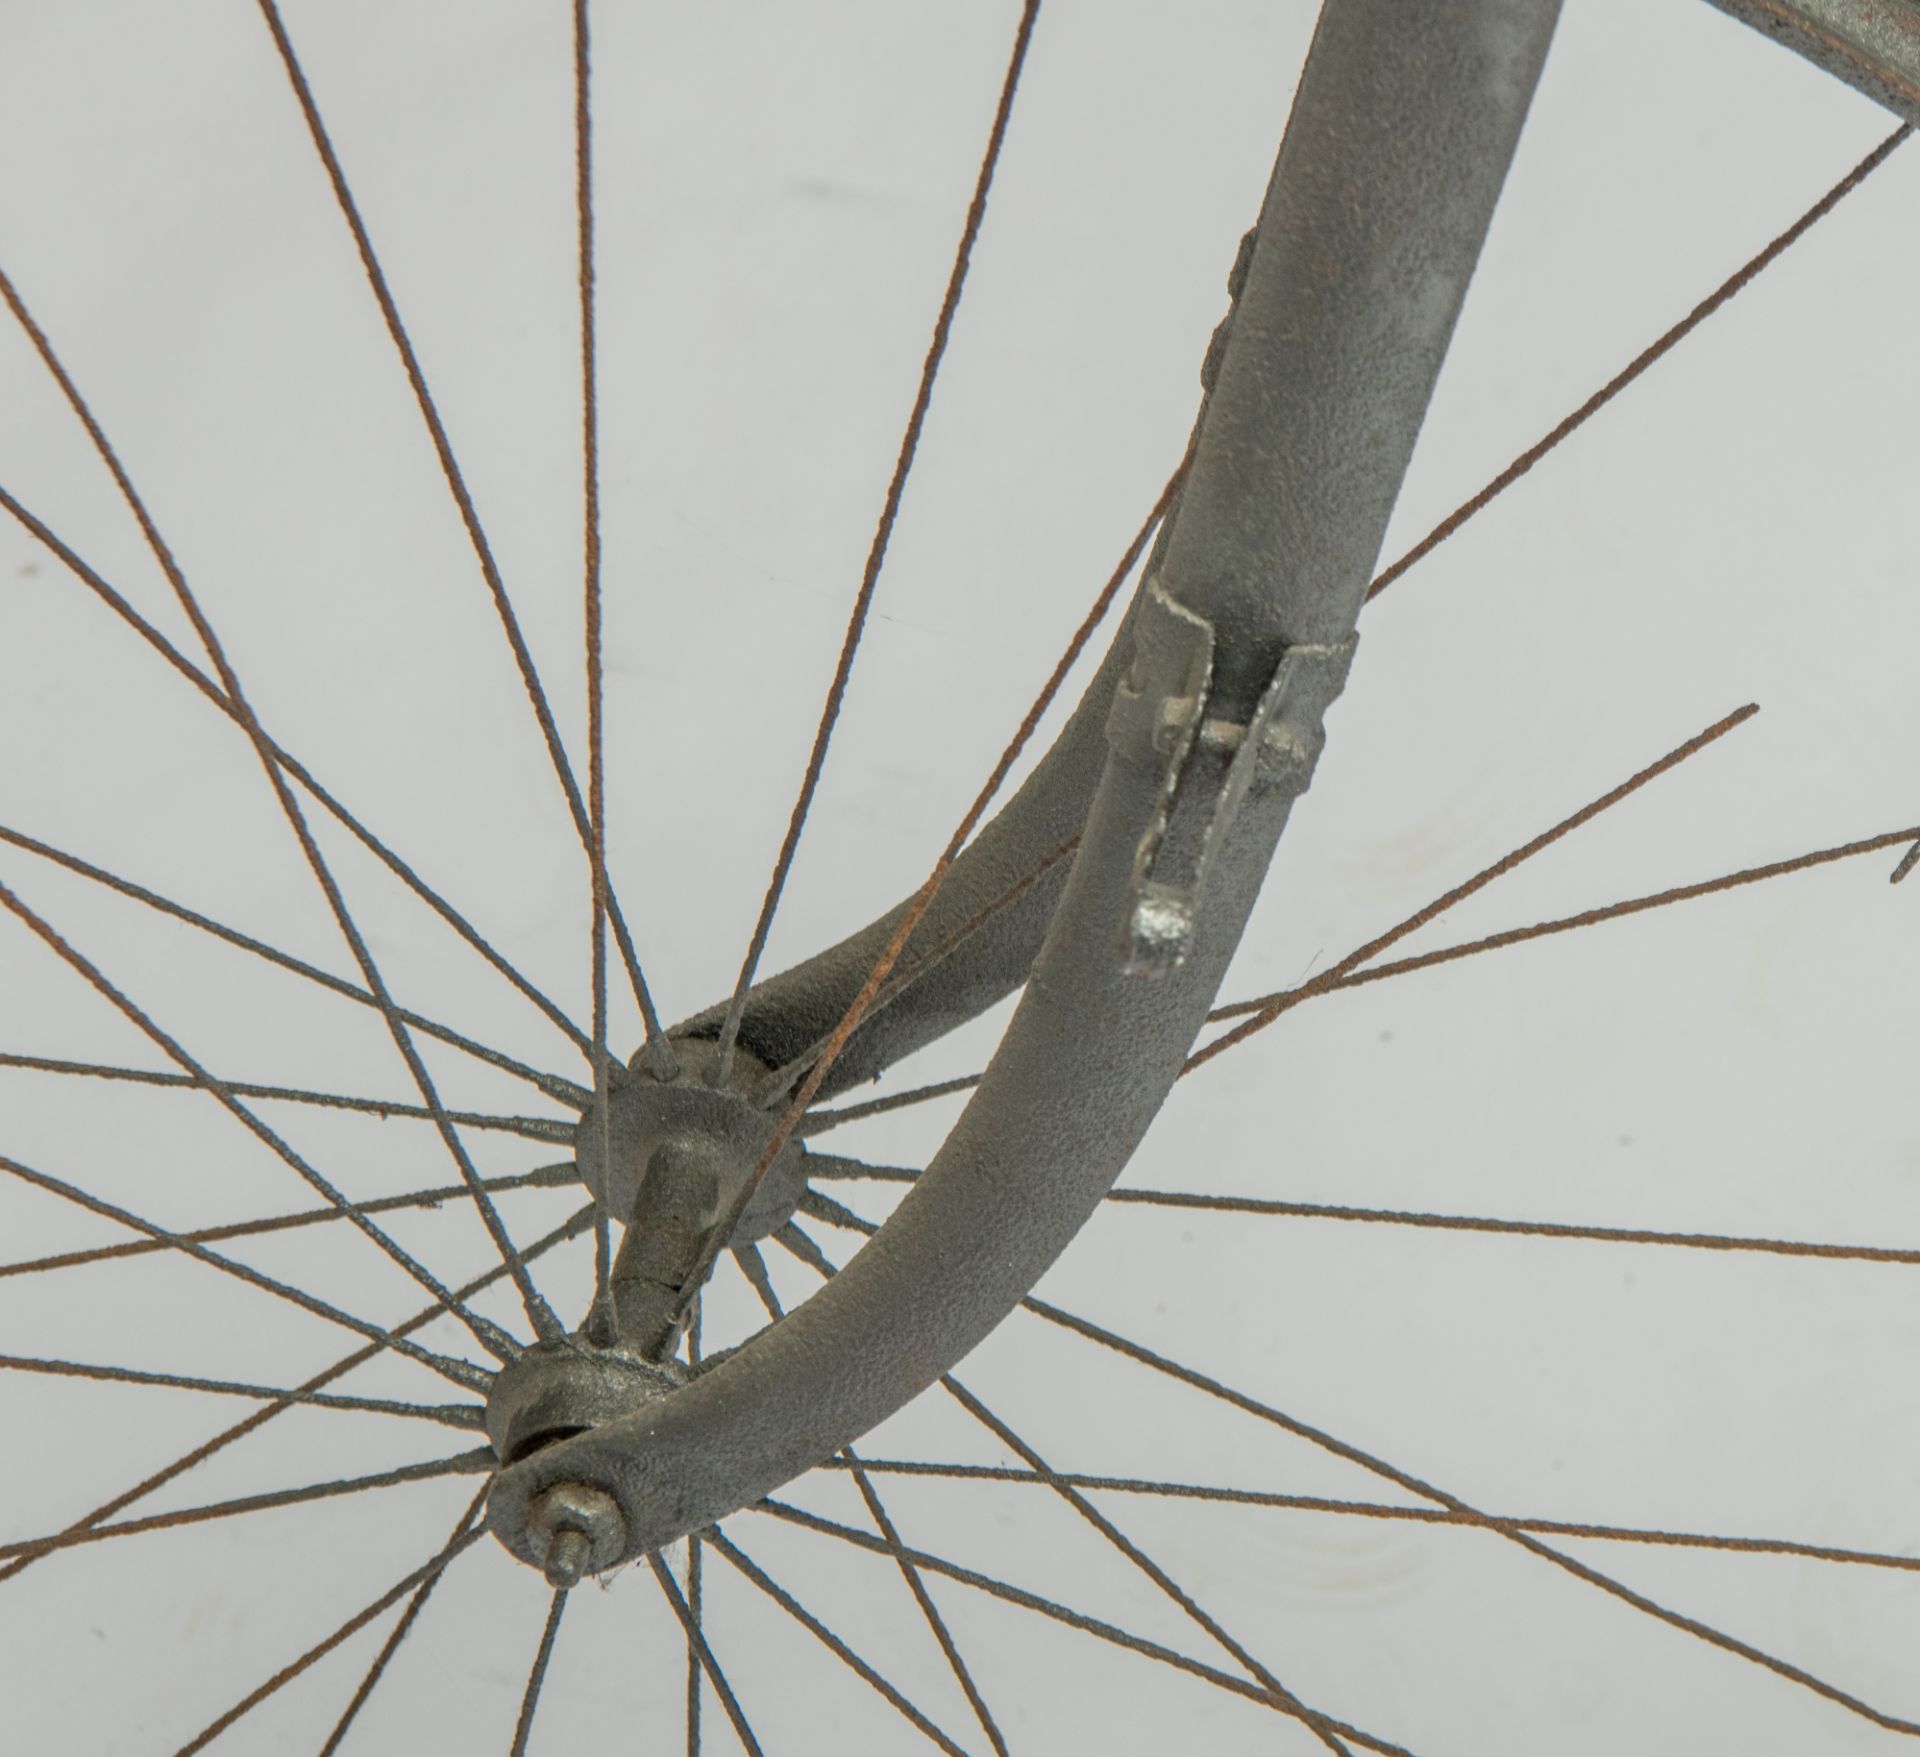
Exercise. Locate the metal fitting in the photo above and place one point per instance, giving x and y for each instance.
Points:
(1165, 719)
(558, 1388)
(614, 1146)
(576, 1530)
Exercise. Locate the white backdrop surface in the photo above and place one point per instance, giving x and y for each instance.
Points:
(779, 188)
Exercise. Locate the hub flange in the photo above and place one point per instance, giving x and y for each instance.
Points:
(645, 1113)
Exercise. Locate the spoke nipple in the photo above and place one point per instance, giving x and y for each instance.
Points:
(567, 1558)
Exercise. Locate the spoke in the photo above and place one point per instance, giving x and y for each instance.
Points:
(1282, 1000)
(537, 1677)
(449, 467)
(489, 1335)
(293, 1399)
(1073, 1619)
(800, 1614)
(804, 1247)
(823, 1207)
(532, 1128)
(1586, 918)
(694, 1589)
(486, 1333)
(1696, 1241)
(695, 1584)
(780, 1081)
(819, 1121)
(883, 533)
(1468, 1514)
(836, 1166)
(415, 1605)
(1274, 1006)
(1641, 361)
(750, 1260)
(545, 1177)
(708, 1664)
(462, 1372)
(754, 1266)
(452, 1415)
(1126, 1485)
(563, 1091)
(590, 530)
(937, 1624)
(358, 1621)
(96, 584)
(596, 731)
(799, 1244)
(796, 1119)
(1516, 1532)
(1320, 1725)
(464, 1464)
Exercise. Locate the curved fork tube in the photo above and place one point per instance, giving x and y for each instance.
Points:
(788, 1013)
(1874, 45)
(1399, 140)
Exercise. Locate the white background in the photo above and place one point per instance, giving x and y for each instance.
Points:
(779, 190)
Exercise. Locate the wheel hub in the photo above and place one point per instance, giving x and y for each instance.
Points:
(644, 1114)
(670, 1158)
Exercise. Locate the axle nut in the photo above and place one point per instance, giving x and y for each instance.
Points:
(577, 1530)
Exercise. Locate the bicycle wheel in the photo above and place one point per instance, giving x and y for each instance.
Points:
(485, 852)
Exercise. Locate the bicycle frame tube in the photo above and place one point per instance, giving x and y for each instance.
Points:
(1874, 45)
(1400, 137)
(981, 952)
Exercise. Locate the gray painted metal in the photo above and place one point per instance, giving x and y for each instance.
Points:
(1874, 45)
(646, 1113)
(1400, 136)
(560, 1387)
